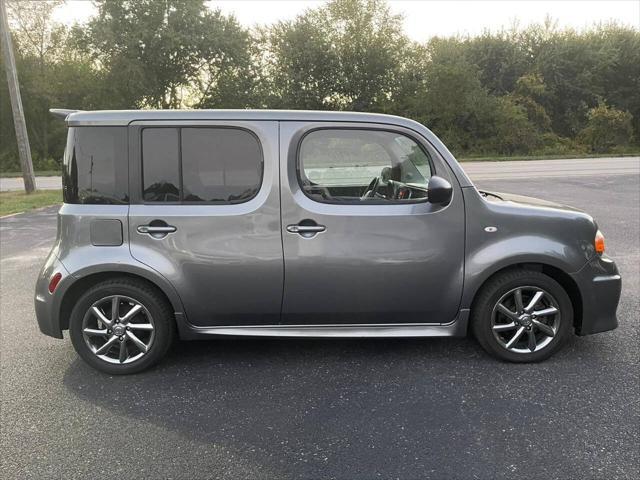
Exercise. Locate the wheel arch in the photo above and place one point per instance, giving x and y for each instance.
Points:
(559, 275)
(85, 280)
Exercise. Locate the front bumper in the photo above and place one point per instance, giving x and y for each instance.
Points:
(600, 286)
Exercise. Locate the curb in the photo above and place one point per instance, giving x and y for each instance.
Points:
(10, 215)
(33, 210)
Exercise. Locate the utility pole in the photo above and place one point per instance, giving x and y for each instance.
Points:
(16, 102)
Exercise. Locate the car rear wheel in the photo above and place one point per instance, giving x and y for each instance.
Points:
(522, 316)
(122, 326)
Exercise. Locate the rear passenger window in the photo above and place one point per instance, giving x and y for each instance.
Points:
(200, 165)
(96, 166)
(220, 165)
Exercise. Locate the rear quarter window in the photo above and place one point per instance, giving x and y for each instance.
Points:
(96, 166)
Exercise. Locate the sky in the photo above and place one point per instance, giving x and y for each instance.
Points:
(427, 18)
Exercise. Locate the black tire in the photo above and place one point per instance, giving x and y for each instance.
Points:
(150, 298)
(502, 284)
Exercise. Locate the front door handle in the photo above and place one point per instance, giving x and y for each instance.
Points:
(306, 228)
(157, 229)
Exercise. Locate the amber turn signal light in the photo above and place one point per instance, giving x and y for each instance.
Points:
(599, 242)
(55, 280)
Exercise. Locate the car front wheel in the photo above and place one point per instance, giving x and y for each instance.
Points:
(522, 316)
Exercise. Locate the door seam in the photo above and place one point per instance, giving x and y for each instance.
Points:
(279, 179)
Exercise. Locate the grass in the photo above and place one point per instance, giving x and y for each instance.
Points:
(15, 202)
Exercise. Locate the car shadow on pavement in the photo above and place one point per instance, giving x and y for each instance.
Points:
(380, 405)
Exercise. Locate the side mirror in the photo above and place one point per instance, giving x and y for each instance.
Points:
(439, 190)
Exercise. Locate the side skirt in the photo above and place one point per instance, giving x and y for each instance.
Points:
(453, 329)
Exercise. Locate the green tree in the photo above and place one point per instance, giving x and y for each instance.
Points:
(500, 58)
(530, 92)
(39, 43)
(8, 145)
(568, 62)
(617, 80)
(343, 55)
(301, 67)
(457, 107)
(167, 53)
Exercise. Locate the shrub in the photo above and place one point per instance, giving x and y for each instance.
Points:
(607, 128)
(553, 144)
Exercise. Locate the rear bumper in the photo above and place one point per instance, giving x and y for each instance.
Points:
(600, 286)
(47, 305)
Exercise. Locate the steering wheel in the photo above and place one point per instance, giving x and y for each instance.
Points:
(372, 190)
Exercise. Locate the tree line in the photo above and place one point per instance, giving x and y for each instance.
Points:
(538, 90)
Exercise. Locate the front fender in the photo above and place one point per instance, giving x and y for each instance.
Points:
(485, 263)
(503, 234)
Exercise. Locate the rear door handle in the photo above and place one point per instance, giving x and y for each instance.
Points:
(160, 230)
(306, 229)
(150, 229)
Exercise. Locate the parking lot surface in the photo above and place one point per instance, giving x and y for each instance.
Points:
(353, 408)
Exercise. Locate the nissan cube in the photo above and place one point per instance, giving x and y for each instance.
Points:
(201, 223)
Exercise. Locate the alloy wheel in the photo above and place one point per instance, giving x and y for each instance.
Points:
(525, 319)
(118, 329)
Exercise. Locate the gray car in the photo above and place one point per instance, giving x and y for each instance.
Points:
(201, 223)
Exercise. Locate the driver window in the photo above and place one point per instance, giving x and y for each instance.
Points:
(363, 166)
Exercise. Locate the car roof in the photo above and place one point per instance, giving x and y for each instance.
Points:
(125, 117)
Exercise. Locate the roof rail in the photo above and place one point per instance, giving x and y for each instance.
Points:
(62, 113)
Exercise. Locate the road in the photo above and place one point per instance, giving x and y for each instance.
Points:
(553, 168)
(477, 170)
(356, 409)
(42, 183)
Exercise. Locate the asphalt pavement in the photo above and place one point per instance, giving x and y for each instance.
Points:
(352, 408)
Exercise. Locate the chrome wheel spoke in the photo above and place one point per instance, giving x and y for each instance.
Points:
(532, 340)
(141, 326)
(534, 300)
(505, 311)
(131, 313)
(545, 311)
(104, 348)
(137, 342)
(96, 332)
(123, 350)
(517, 295)
(515, 338)
(101, 316)
(115, 304)
(505, 327)
(544, 328)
